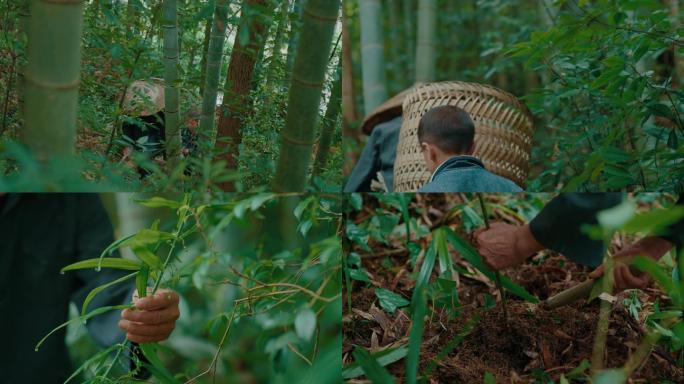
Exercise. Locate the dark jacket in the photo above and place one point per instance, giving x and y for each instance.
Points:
(466, 174)
(40, 234)
(559, 225)
(378, 155)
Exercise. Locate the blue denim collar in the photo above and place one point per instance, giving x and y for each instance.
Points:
(460, 161)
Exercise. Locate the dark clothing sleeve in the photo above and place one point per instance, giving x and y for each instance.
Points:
(378, 155)
(94, 233)
(559, 225)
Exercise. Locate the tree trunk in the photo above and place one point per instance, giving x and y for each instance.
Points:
(372, 55)
(328, 127)
(171, 91)
(213, 73)
(52, 77)
(308, 77)
(425, 51)
(236, 103)
(205, 54)
(276, 55)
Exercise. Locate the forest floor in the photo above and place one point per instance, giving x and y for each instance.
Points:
(537, 343)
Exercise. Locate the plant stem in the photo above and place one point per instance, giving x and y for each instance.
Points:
(604, 318)
(497, 274)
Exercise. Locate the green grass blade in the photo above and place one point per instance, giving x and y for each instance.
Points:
(474, 258)
(383, 358)
(374, 371)
(97, 358)
(418, 310)
(107, 262)
(101, 288)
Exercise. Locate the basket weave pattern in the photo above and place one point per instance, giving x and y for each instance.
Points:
(503, 131)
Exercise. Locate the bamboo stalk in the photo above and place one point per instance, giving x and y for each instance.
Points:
(372, 55)
(329, 124)
(52, 77)
(320, 17)
(426, 41)
(570, 295)
(171, 91)
(213, 73)
(604, 318)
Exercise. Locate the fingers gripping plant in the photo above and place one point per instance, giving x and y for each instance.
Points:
(297, 288)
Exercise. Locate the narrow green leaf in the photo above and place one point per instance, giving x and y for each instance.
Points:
(148, 257)
(94, 313)
(106, 262)
(141, 281)
(101, 288)
(474, 258)
(374, 371)
(155, 365)
(159, 202)
(383, 358)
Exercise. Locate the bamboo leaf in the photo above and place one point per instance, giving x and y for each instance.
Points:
(159, 202)
(149, 258)
(374, 371)
(383, 358)
(418, 311)
(106, 262)
(474, 258)
(101, 288)
(155, 365)
(94, 313)
(141, 281)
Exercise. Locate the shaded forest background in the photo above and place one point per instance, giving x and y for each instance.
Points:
(124, 41)
(603, 79)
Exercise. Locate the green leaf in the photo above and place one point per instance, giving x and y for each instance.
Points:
(94, 313)
(660, 109)
(305, 323)
(105, 262)
(159, 202)
(658, 273)
(614, 218)
(389, 300)
(149, 258)
(101, 288)
(356, 201)
(489, 378)
(610, 376)
(383, 358)
(474, 258)
(155, 365)
(141, 281)
(375, 372)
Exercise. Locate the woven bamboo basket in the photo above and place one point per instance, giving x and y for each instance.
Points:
(503, 131)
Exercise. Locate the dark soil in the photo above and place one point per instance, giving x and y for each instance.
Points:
(535, 343)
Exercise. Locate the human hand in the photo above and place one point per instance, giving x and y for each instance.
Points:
(505, 245)
(625, 276)
(153, 318)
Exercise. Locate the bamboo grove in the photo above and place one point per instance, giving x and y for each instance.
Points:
(244, 102)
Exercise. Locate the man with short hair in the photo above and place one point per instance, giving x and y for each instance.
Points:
(446, 135)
